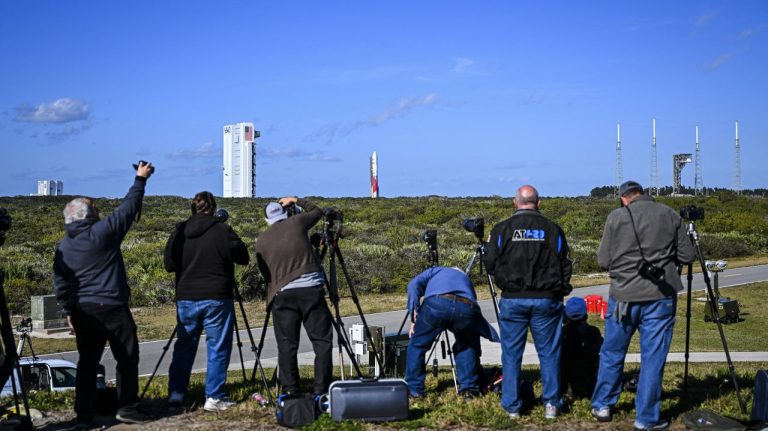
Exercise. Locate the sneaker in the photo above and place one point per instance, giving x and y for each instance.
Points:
(130, 414)
(550, 411)
(470, 394)
(220, 405)
(513, 416)
(176, 399)
(603, 414)
(657, 427)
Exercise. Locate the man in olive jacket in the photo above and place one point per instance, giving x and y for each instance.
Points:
(642, 244)
(295, 291)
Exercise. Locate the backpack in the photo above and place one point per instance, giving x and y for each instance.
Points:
(296, 411)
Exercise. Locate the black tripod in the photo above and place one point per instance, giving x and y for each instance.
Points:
(715, 313)
(477, 256)
(11, 366)
(329, 240)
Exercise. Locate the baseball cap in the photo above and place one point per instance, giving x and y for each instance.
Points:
(629, 186)
(274, 212)
(576, 308)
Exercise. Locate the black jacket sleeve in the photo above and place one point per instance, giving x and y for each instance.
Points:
(174, 248)
(311, 215)
(63, 281)
(238, 250)
(123, 216)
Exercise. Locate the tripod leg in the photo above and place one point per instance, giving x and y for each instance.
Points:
(687, 328)
(450, 358)
(336, 252)
(261, 339)
(257, 352)
(162, 355)
(716, 316)
(240, 349)
(397, 339)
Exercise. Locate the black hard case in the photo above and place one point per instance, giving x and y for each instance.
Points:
(370, 400)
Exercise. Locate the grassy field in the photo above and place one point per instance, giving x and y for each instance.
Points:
(709, 388)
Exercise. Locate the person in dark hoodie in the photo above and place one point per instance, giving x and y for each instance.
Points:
(202, 252)
(90, 284)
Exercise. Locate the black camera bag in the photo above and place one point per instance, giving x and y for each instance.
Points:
(296, 411)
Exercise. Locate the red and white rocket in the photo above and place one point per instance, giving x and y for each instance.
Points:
(374, 176)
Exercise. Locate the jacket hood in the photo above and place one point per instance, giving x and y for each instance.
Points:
(199, 224)
(77, 227)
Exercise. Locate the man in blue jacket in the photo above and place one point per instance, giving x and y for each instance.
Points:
(449, 303)
(90, 283)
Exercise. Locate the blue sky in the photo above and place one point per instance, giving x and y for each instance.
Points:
(457, 98)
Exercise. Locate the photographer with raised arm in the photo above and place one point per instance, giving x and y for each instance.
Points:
(642, 244)
(91, 285)
(295, 291)
(202, 251)
(449, 303)
(527, 254)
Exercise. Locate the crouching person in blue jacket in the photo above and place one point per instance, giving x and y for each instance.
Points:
(450, 304)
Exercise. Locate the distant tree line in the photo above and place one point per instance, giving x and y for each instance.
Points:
(608, 191)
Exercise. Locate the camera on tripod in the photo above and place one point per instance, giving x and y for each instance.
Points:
(25, 326)
(650, 271)
(475, 225)
(430, 238)
(334, 220)
(692, 212)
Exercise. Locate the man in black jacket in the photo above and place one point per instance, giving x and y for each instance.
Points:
(528, 256)
(90, 283)
(202, 252)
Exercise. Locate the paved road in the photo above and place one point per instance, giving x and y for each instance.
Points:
(391, 321)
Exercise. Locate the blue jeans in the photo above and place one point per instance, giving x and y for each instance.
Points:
(465, 321)
(216, 316)
(655, 321)
(545, 318)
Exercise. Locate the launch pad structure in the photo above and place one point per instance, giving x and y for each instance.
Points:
(678, 163)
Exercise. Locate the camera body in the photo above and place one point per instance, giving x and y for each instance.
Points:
(222, 215)
(692, 212)
(474, 225)
(430, 237)
(143, 162)
(650, 271)
(334, 220)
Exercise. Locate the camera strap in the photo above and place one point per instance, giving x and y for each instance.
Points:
(634, 230)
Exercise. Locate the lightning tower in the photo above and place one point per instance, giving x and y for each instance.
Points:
(374, 176)
(698, 184)
(619, 174)
(653, 187)
(737, 164)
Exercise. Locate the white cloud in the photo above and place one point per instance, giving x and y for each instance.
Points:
(297, 154)
(704, 19)
(746, 34)
(719, 61)
(206, 151)
(402, 108)
(462, 65)
(59, 111)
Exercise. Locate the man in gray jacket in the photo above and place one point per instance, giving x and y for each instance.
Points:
(642, 245)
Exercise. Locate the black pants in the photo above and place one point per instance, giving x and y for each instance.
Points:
(95, 324)
(290, 309)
